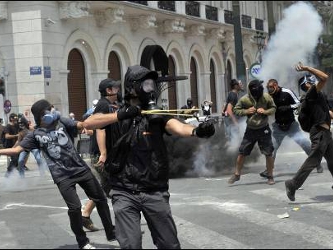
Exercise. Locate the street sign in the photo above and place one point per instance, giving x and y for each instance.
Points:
(255, 70)
(7, 106)
(47, 72)
(36, 70)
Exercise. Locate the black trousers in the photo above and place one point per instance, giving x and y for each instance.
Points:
(93, 190)
(13, 163)
(321, 146)
(155, 208)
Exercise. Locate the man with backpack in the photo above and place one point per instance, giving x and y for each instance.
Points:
(316, 109)
(285, 124)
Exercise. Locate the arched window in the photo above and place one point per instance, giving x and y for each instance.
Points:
(172, 90)
(228, 78)
(213, 85)
(76, 83)
(194, 82)
(114, 66)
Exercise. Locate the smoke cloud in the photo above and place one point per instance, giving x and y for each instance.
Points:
(294, 41)
(197, 157)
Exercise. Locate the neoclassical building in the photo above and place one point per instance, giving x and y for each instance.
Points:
(61, 50)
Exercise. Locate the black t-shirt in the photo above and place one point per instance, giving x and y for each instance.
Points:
(319, 107)
(58, 149)
(232, 99)
(147, 164)
(12, 130)
(112, 132)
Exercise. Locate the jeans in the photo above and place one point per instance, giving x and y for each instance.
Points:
(294, 132)
(155, 208)
(93, 190)
(321, 146)
(231, 130)
(23, 156)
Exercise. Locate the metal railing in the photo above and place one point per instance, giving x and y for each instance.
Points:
(167, 5)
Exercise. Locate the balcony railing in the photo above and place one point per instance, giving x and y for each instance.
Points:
(246, 21)
(259, 24)
(167, 5)
(192, 8)
(228, 17)
(140, 2)
(211, 13)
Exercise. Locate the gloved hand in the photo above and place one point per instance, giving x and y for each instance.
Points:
(284, 108)
(128, 113)
(204, 130)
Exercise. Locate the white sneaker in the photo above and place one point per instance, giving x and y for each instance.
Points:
(88, 246)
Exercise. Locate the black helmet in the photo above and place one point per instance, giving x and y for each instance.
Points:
(308, 78)
(137, 74)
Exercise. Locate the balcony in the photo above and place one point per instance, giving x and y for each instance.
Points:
(192, 8)
(211, 13)
(228, 17)
(167, 5)
(246, 21)
(140, 2)
(259, 24)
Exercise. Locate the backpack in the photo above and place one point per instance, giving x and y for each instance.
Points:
(304, 116)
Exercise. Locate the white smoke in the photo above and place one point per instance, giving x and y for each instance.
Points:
(294, 41)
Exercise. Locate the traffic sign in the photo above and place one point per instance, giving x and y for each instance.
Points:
(255, 70)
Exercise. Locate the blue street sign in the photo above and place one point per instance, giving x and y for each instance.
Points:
(36, 70)
(47, 72)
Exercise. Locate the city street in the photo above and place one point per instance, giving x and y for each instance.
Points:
(209, 213)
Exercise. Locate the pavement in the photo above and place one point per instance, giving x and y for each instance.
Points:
(208, 212)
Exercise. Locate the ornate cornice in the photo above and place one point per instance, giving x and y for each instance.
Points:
(197, 30)
(174, 26)
(110, 15)
(74, 9)
(143, 22)
(229, 36)
(217, 33)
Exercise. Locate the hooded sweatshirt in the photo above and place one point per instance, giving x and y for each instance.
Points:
(256, 120)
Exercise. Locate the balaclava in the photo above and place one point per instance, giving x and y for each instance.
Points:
(256, 89)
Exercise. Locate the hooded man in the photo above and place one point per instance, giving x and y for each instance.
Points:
(188, 106)
(139, 165)
(257, 106)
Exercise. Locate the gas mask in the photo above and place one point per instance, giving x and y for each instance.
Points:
(50, 117)
(147, 94)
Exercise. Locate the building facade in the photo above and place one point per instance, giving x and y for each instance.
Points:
(61, 50)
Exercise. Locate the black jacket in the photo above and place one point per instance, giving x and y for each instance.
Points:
(146, 166)
(286, 102)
